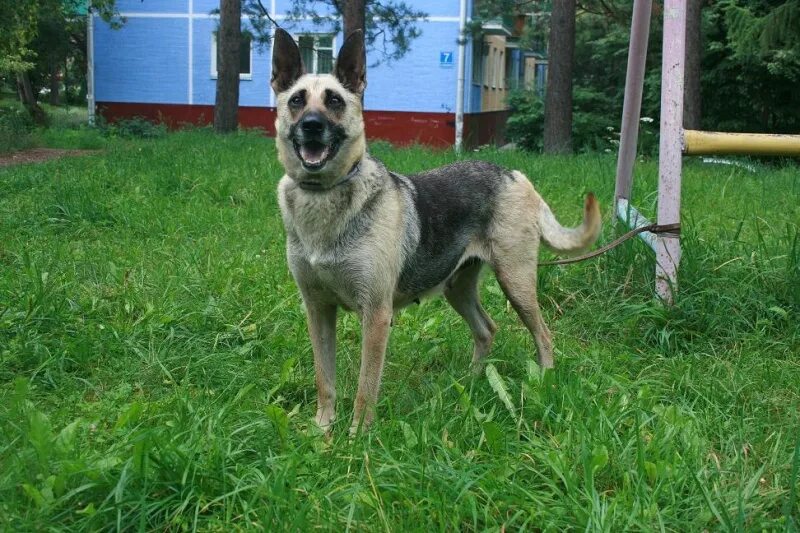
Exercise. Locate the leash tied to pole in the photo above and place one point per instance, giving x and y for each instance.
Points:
(669, 229)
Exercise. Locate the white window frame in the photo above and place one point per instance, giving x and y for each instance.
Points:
(317, 48)
(242, 76)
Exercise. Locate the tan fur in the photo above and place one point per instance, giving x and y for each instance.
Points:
(353, 121)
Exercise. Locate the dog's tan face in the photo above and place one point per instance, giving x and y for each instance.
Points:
(319, 127)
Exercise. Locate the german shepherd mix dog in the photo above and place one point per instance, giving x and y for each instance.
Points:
(372, 241)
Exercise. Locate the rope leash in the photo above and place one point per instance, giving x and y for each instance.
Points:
(672, 230)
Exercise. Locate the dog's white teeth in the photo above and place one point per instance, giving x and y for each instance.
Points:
(313, 156)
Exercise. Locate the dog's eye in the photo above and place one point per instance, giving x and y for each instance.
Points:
(333, 100)
(296, 100)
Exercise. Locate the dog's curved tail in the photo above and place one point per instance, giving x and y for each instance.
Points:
(571, 240)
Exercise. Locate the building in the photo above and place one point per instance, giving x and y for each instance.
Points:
(161, 64)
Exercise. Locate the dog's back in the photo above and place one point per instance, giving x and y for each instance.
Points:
(454, 206)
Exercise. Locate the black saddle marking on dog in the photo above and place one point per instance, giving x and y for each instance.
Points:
(454, 203)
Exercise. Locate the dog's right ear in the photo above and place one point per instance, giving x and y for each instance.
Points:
(287, 65)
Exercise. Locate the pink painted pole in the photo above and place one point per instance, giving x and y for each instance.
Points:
(632, 105)
(668, 249)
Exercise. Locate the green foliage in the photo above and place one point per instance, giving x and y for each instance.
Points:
(525, 125)
(391, 25)
(763, 28)
(68, 129)
(592, 130)
(16, 126)
(17, 28)
(750, 71)
(156, 373)
(135, 128)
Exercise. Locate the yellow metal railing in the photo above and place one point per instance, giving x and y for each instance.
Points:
(719, 143)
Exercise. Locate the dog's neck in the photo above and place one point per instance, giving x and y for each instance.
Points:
(313, 185)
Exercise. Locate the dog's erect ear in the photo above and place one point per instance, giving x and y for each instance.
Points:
(287, 66)
(351, 64)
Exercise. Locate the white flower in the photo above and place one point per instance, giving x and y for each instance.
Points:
(646, 119)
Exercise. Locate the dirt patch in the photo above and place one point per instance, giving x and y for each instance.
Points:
(38, 155)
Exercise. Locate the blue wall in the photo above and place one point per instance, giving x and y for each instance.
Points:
(153, 6)
(147, 59)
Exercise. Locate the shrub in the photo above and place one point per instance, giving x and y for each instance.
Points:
(525, 125)
(135, 128)
(16, 127)
(595, 123)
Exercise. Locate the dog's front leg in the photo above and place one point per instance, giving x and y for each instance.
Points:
(375, 327)
(322, 330)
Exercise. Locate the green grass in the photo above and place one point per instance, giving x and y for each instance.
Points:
(155, 371)
(67, 128)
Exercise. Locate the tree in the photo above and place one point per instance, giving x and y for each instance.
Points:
(354, 14)
(390, 26)
(751, 66)
(694, 53)
(18, 28)
(229, 38)
(558, 98)
(38, 36)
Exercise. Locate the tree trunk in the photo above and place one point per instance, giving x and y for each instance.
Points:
(558, 98)
(54, 82)
(691, 89)
(353, 16)
(25, 91)
(229, 37)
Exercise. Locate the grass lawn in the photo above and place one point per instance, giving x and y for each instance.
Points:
(156, 374)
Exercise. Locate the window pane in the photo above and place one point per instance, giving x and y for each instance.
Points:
(325, 61)
(244, 56)
(477, 61)
(306, 43)
(325, 41)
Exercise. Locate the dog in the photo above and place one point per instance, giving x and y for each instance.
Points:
(365, 239)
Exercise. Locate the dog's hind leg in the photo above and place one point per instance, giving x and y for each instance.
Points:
(462, 293)
(322, 330)
(517, 277)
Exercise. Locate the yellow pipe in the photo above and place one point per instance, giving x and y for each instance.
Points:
(718, 143)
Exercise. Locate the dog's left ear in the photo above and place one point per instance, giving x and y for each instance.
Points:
(287, 65)
(351, 64)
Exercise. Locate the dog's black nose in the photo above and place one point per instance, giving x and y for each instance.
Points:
(313, 124)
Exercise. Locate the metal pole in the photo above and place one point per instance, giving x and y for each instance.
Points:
(718, 142)
(90, 102)
(668, 250)
(632, 106)
(462, 44)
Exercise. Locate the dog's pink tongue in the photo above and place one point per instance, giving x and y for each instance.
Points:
(314, 154)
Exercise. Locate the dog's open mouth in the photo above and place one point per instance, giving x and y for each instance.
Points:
(314, 154)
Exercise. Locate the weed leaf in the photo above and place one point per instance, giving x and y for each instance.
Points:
(499, 387)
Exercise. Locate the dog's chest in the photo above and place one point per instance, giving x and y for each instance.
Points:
(325, 243)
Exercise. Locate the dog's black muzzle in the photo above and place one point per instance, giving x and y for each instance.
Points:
(316, 140)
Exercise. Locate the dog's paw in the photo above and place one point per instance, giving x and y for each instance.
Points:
(324, 420)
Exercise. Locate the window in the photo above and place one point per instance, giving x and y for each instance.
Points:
(493, 67)
(485, 72)
(245, 56)
(512, 81)
(477, 61)
(317, 53)
(500, 66)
